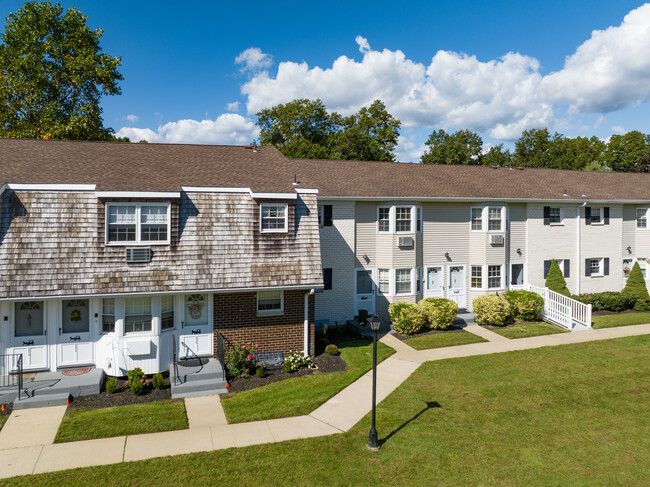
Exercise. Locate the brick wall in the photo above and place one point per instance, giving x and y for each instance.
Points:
(235, 316)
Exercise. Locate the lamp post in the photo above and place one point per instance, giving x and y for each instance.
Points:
(375, 323)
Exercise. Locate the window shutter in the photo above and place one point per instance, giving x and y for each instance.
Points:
(547, 215)
(327, 278)
(587, 268)
(588, 215)
(547, 267)
(607, 215)
(606, 270)
(327, 215)
(567, 268)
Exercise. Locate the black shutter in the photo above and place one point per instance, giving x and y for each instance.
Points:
(327, 278)
(567, 268)
(607, 215)
(587, 267)
(327, 215)
(606, 272)
(547, 215)
(588, 215)
(547, 267)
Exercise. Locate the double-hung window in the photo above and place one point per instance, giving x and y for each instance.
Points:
(403, 281)
(108, 315)
(594, 267)
(270, 302)
(166, 312)
(137, 315)
(137, 223)
(274, 217)
(477, 219)
(641, 218)
(403, 219)
(554, 215)
(494, 219)
(477, 277)
(383, 218)
(596, 216)
(384, 281)
(494, 276)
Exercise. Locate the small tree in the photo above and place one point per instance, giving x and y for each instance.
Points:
(555, 280)
(636, 286)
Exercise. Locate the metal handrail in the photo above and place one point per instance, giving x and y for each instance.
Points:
(175, 361)
(11, 371)
(221, 354)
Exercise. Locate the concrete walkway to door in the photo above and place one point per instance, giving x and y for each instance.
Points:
(337, 415)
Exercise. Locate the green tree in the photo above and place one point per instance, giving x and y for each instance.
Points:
(635, 284)
(462, 147)
(497, 156)
(555, 280)
(624, 152)
(53, 74)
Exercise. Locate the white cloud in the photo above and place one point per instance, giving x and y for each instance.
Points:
(364, 46)
(617, 129)
(227, 129)
(253, 60)
(131, 118)
(233, 107)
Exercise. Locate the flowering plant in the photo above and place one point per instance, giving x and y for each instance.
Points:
(240, 359)
(296, 361)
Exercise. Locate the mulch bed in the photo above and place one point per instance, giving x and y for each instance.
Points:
(8, 408)
(452, 329)
(122, 397)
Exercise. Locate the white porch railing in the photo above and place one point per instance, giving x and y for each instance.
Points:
(561, 310)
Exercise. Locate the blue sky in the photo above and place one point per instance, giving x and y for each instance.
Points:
(578, 67)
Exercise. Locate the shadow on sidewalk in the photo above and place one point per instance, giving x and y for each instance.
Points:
(429, 405)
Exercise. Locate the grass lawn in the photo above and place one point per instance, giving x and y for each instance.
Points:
(483, 420)
(529, 329)
(88, 424)
(622, 319)
(3, 420)
(301, 395)
(439, 340)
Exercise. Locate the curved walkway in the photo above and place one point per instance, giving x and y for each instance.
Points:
(209, 432)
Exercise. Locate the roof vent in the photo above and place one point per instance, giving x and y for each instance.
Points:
(138, 254)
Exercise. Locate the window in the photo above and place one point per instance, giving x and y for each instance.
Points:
(384, 219)
(494, 219)
(641, 218)
(517, 274)
(597, 267)
(270, 302)
(594, 267)
(29, 319)
(384, 281)
(273, 217)
(563, 264)
(627, 267)
(418, 284)
(196, 310)
(419, 219)
(320, 216)
(642, 264)
(477, 277)
(108, 315)
(494, 276)
(477, 219)
(403, 281)
(327, 278)
(166, 312)
(325, 216)
(595, 216)
(403, 219)
(137, 315)
(554, 215)
(134, 223)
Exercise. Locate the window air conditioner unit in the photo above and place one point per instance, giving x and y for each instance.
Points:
(138, 254)
(496, 239)
(406, 241)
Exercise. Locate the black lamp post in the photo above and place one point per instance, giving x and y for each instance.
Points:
(375, 323)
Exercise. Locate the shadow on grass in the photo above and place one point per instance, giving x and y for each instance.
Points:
(429, 405)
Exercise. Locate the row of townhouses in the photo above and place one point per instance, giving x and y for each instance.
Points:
(120, 255)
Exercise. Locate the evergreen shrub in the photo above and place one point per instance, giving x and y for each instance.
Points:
(491, 309)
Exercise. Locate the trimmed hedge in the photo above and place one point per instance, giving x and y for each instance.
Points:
(439, 313)
(608, 301)
(526, 305)
(407, 318)
(491, 309)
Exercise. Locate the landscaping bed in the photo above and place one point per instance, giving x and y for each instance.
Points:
(122, 397)
(440, 338)
(525, 329)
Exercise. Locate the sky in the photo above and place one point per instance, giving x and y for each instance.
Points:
(198, 72)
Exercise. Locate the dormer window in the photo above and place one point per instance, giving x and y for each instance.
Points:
(274, 217)
(131, 223)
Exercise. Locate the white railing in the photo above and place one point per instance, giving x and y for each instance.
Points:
(562, 310)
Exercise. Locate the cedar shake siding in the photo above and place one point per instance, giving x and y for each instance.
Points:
(52, 243)
(235, 317)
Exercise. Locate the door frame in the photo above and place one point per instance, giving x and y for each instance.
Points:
(448, 282)
(372, 295)
(425, 287)
(87, 338)
(509, 277)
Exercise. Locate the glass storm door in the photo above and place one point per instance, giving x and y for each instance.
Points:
(74, 344)
(196, 332)
(434, 282)
(456, 289)
(365, 291)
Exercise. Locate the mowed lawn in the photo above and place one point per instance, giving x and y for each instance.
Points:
(621, 319)
(301, 395)
(529, 329)
(439, 340)
(484, 420)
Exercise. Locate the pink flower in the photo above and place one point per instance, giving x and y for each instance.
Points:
(256, 345)
(249, 357)
(243, 346)
(246, 370)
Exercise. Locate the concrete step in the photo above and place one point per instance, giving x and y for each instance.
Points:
(209, 368)
(180, 395)
(41, 401)
(200, 387)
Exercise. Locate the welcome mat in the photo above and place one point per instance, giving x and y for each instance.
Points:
(75, 371)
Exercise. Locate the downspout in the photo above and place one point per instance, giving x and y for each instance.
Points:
(306, 324)
(579, 269)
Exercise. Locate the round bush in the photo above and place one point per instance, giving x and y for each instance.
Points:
(439, 313)
(525, 305)
(407, 318)
(111, 385)
(332, 349)
(491, 310)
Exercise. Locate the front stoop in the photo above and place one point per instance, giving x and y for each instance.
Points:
(197, 377)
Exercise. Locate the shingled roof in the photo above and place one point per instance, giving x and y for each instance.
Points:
(167, 167)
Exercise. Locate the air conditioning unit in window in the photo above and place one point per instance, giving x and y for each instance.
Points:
(406, 242)
(138, 254)
(496, 239)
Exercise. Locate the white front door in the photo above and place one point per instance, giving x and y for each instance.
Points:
(456, 287)
(434, 282)
(29, 334)
(364, 291)
(196, 330)
(74, 345)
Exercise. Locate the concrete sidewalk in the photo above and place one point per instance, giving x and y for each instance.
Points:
(31, 427)
(208, 430)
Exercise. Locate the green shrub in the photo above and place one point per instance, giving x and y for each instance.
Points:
(491, 309)
(321, 343)
(296, 361)
(642, 304)
(332, 349)
(350, 330)
(137, 386)
(240, 359)
(636, 285)
(111, 385)
(136, 381)
(525, 305)
(287, 367)
(555, 280)
(407, 318)
(259, 371)
(609, 301)
(157, 381)
(439, 313)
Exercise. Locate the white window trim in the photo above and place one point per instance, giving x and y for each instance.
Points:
(410, 291)
(390, 219)
(386, 293)
(486, 219)
(637, 219)
(501, 276)
(114, 315)
(561, 222)
(174, 312)
(601, 267)
(270, 312)
(483, 282)
(138, 223)
(601, 210)
(321, 217)
(560, 264)
(394, 218)
(286, 218)
(482, 218)
(155, 318)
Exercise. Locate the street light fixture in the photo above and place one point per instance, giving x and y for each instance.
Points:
(375, 323)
